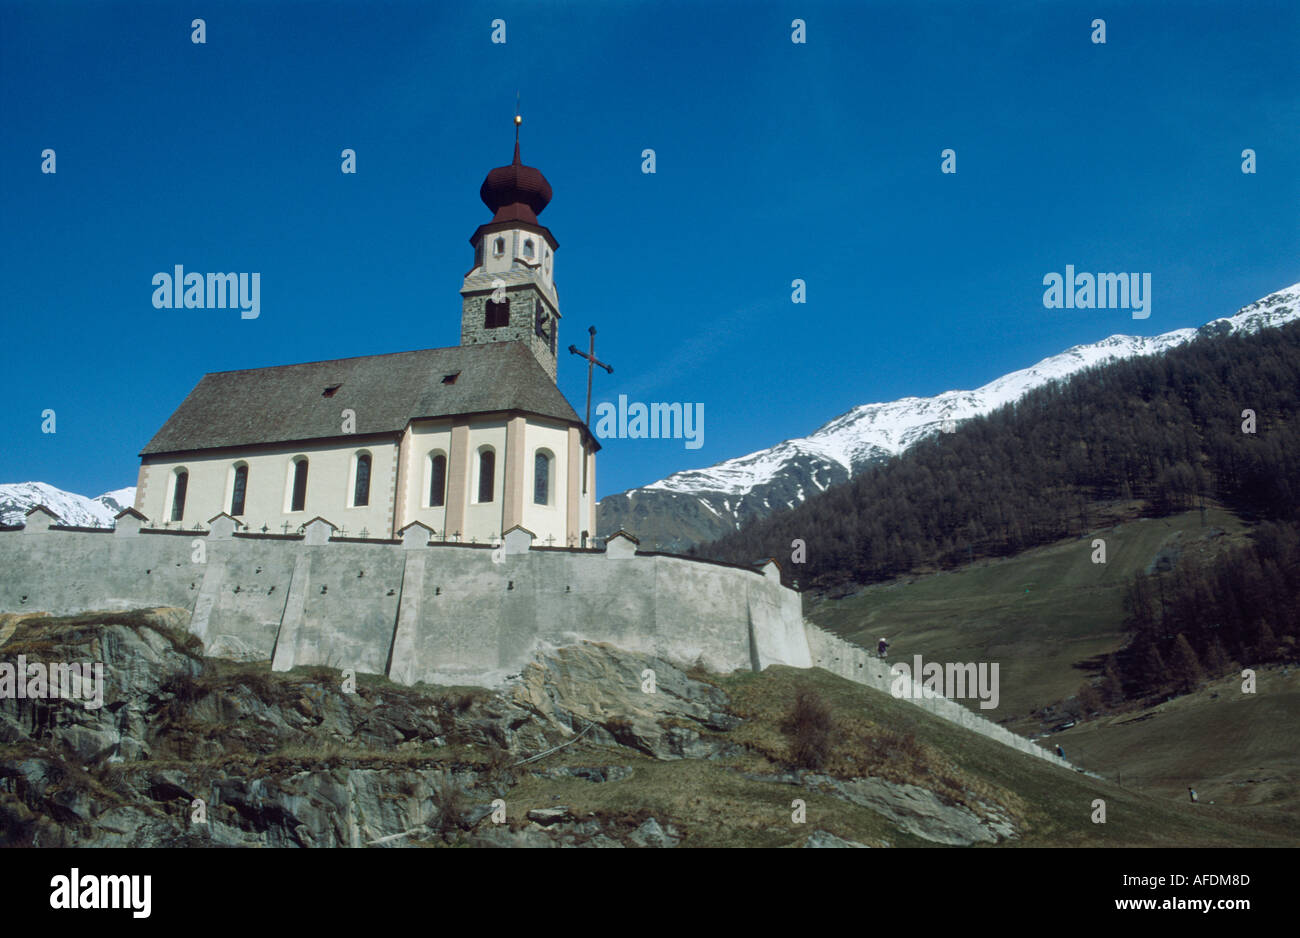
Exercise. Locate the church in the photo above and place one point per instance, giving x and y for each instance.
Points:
(469, 441)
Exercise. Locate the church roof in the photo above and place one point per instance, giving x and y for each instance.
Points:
(294, 403)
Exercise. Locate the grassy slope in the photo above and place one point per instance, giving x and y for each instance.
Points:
(1233, 748)
(1037, 614)
(716, 806)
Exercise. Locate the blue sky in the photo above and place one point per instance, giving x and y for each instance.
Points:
(775, 161)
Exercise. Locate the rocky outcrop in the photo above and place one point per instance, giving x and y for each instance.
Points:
(195, 751)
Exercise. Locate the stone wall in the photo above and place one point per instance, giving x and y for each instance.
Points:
(438, 613)
(858, 664)
(444, 613)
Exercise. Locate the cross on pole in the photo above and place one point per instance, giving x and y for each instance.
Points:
(592, 362)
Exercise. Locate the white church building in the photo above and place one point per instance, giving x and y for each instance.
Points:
(470, 441)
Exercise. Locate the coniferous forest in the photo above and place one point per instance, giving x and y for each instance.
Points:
(1159, 434)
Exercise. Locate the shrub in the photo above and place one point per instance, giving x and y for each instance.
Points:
(809, 722)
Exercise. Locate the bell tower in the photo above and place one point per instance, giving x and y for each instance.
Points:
(509, 294)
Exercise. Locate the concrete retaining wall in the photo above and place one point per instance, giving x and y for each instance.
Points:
(857, 664)
(438, 613)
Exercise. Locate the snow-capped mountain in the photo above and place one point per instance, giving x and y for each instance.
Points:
(701, 504)
(17, 497)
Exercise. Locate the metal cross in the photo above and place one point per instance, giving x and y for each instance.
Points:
(592, 362)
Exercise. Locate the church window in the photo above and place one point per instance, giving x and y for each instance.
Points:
(361, 492)
(329, 391)
(478, 253)
(438, 481)
(487, 464)
(496, 314)
(298, 500)
(539, 319)
(178, 494)
(528, 248)
(450, 379)
(552, 336)
(542, 478)
(498, 247)
(240, 490)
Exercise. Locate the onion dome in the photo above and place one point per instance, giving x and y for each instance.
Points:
(515, 192)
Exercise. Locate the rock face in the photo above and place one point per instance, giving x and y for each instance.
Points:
(195, 751)
(600, 686)
(919, 811)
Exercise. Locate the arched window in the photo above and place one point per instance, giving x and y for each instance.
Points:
(487, 465)
(437, 480)
(498, 247)
(542, 478)
(539, 319)
(361, 491)
(298, 500)
(239, 490)
(552, 336)
(496, 315)
(528, 248)
(178, 494)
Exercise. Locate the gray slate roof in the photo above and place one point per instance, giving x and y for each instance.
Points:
(286, 403)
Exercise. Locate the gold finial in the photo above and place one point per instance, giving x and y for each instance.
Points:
(518, 120)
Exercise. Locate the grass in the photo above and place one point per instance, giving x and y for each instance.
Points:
(1038, 614)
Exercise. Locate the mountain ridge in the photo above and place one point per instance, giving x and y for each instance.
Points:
(698, 505)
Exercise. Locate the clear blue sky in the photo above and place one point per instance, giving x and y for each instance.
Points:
(775, 161)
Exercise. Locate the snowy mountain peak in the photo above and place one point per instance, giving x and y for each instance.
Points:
(871, 431)
(17, 498)
(698, 505)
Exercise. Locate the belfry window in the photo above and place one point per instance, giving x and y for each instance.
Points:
(496, 314)
(240, 490)
(361, 491)
(298, 500)
(498, 247)
(487, 464)
(178, 495)
(438, 481)
(539, 319)
(528, 248)
(552, 336)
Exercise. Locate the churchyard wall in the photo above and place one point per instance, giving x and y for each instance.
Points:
(435, 612)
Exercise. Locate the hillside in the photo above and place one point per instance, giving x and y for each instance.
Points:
(578, 753)
(700, 505)
(1168, 432)
(1039, 614)
(1235, 749)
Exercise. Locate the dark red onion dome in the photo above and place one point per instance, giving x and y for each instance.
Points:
(515, 192)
